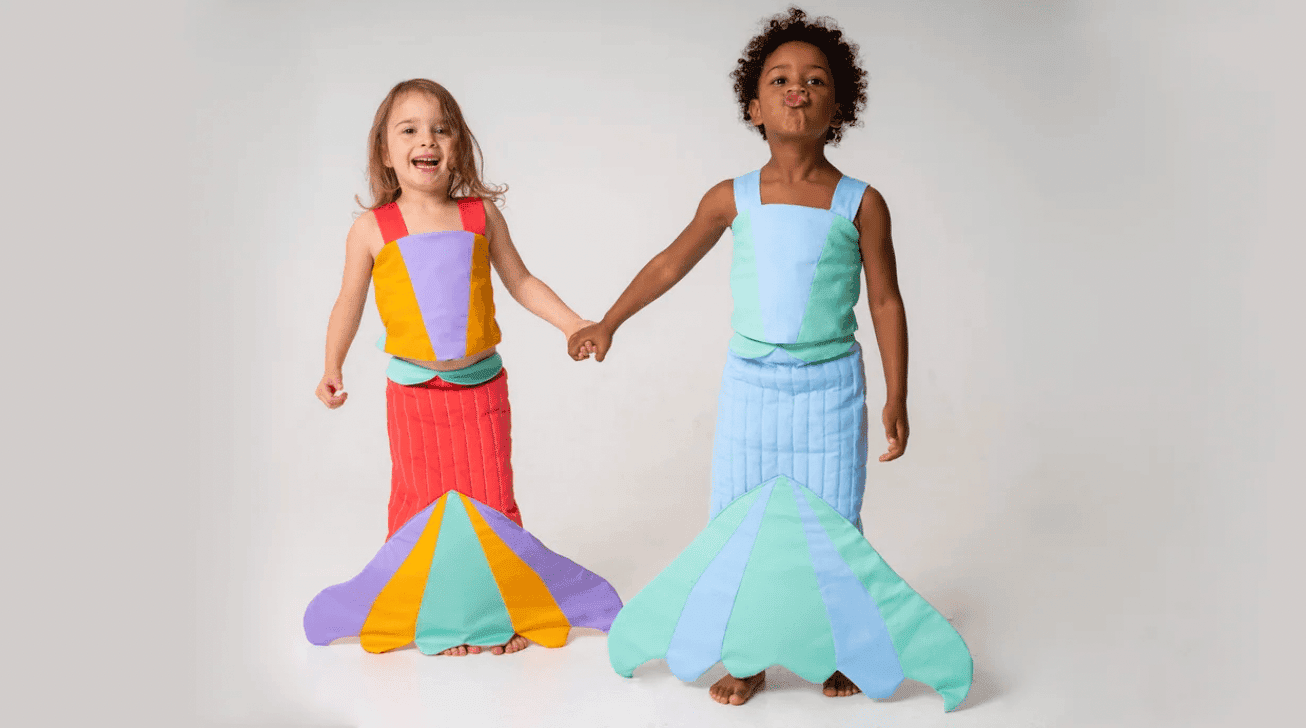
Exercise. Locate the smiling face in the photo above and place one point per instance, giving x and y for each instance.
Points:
(795, 94)
(419, 144)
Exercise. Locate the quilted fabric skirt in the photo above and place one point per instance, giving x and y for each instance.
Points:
(782, 574)
(447, 437)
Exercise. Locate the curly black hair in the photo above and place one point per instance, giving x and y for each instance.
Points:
(824, 33)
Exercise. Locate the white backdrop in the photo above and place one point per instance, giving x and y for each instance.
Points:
(1074, 187)
(1091, 207)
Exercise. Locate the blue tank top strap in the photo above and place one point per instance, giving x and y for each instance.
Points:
(748, 192)
(847, 198)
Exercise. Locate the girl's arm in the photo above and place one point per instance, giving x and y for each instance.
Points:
(887, 314)
(526, 289)
(714, 214)
(348, 310)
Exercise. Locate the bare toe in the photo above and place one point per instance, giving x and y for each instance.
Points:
(838, 685)
(516, 644)
(731, 690)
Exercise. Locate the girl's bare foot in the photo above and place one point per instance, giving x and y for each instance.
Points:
(731, 690)
(461, 650)
(838, 685)
(507, 648)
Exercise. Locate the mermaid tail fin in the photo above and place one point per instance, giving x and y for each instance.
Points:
(459, 572)
(780, 578)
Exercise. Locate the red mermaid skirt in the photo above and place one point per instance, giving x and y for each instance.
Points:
(447, 437)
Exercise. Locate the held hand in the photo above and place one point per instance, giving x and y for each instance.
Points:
(586, 348)
(593, 339)
(895, 430)
(331, 390)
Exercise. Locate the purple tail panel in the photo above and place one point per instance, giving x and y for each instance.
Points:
(340, 610)
(586, 598)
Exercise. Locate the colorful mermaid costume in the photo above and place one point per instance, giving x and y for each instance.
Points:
(457, 567)
(782, 574)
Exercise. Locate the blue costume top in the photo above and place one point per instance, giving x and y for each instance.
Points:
(795, 274)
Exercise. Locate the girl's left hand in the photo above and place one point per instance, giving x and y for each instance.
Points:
(895, 430)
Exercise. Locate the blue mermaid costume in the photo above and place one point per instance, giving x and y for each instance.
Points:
(782, 574)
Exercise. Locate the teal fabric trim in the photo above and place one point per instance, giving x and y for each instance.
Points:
(405, 372)
(822, 351)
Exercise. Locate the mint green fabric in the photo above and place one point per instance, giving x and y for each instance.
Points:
(473, 613)
(778, 616)
(649, 619)
(836, 286)
(808, 353)
(929, 649)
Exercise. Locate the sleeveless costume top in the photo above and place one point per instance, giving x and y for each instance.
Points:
(433, 289)
(795, 274)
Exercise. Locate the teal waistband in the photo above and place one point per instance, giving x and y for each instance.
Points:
(406, 372)
(807, 353)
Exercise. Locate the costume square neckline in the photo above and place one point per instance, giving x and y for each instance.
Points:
(429, 232)
(758, 201)
(391, 219)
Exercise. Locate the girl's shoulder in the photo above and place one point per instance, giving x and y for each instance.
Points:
(366, 231)
(719, 203)
(364, 222)
(494, 220)
(872, 211)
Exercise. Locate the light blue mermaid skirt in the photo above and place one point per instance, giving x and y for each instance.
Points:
(782, 574)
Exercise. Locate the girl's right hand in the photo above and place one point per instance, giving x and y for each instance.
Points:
(598, 337)
(331, 390)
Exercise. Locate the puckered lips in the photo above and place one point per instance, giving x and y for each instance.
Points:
(426, 163)
(794, 100)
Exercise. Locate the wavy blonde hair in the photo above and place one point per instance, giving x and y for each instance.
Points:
(464, 172)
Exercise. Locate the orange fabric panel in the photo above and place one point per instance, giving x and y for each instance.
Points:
(482, 329)
(405, 332)
(392, 622)
(535, 614)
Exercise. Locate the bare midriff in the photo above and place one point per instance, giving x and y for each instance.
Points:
(448, 365)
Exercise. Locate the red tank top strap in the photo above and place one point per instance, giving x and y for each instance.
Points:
(391, 222)
(472, 210)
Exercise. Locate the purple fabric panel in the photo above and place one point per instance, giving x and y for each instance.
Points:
(586, 598)
(340, 610)
(440, 267)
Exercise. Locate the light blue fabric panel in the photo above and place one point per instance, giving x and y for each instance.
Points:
(929, 649)
(847, 198)
(787, 241)
(645, 625)
(748, 192)
(863, 649)
(803, 421)
(696, 644)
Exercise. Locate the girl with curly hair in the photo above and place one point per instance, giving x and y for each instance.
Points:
(782, 574)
